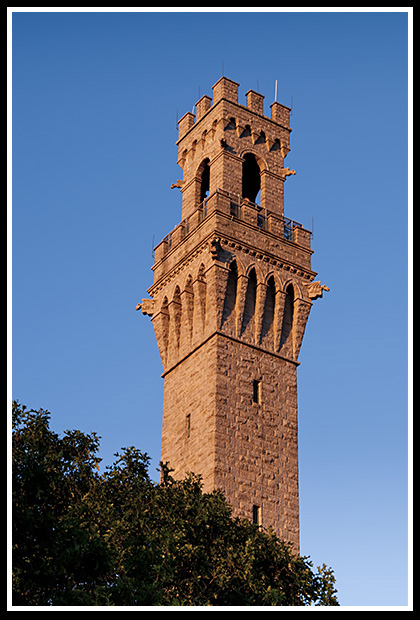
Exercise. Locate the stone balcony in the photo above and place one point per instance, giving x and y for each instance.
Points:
(240, 210)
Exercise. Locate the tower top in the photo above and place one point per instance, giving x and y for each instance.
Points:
(235, 148)
(226, 89)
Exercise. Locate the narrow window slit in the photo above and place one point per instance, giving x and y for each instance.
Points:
(256, 387)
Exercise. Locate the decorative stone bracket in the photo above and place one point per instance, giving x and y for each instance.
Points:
(146, 306)
(315, 289)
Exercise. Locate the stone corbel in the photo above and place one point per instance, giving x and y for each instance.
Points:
(269, 143)
(284, 149)
(239, 130)
(255, 134)
(211, 132)
(215, 248)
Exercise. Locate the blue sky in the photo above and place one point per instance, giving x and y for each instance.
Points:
(96, 97)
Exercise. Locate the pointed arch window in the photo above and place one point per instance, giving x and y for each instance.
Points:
(230, 295)
(267, 331)
(202, 293)
(165, 322)
(189, 301)
(250, 301)
(177, 314)
(286, 342)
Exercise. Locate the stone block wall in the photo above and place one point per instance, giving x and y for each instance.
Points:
(232, 293)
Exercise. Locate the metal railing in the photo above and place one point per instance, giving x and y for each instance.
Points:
(202, 210)
(168, 243)
(237, 204)
(262, 218)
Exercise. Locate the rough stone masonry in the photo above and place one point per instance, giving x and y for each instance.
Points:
(231, 296)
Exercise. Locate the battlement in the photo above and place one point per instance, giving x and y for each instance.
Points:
(233, 147)
(227, 90)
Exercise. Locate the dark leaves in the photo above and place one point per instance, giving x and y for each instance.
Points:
(81, 538)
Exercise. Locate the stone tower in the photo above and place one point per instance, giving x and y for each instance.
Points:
(232, 292)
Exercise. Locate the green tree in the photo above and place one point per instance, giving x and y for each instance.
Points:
(56, 545)
(118, 538)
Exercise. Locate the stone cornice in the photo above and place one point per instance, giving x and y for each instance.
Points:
(230, 243)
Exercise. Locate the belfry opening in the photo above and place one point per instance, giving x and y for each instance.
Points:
(251, 178)
(205, 179)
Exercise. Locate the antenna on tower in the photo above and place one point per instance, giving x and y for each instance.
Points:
(275, 92)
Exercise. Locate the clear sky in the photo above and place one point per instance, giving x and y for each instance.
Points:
(96, 98)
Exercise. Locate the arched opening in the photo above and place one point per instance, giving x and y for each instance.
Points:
(269, 312)
(204, 179)
(251, 180)
(286, 342)
(189, 301)
(177, 314)
(250, 301)
(230, 295)
(202, 293)
(165, 323)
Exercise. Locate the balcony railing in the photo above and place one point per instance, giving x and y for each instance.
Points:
(242, 210)
(263, 218)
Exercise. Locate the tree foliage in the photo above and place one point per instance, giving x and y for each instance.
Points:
(118, 538)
